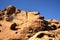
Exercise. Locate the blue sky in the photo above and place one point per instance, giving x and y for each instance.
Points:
(48, 8)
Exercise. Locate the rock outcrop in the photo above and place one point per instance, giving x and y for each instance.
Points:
(21, 25)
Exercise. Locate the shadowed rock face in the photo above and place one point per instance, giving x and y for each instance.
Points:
(21, 25)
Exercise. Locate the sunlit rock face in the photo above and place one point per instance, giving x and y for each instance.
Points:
(21, 25)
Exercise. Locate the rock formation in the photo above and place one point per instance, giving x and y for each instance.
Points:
(21, 25)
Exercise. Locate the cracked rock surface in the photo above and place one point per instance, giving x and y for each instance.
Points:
(21, 25)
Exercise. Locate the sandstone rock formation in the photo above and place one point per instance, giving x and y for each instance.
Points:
(21, 25)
